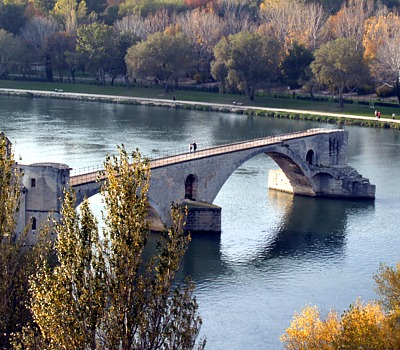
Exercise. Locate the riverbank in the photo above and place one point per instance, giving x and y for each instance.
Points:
(238, 108)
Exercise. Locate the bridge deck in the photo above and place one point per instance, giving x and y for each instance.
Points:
(233, 147)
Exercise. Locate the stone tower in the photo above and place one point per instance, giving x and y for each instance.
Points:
(42, 189)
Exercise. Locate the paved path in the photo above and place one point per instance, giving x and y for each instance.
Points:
(165, 102)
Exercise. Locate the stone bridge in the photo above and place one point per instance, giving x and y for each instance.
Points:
(312, 163)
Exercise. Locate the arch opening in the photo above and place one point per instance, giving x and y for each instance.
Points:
(310, 157)
(34, 223)
(190, 187)
(298, 179)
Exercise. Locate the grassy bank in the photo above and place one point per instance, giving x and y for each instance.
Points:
(382, 123)
(359, 107)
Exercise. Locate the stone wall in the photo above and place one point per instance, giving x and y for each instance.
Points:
(277, 180)
(202, 217)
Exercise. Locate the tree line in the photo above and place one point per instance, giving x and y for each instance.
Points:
(242, 46)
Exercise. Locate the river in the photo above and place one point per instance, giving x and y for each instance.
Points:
(276, 252)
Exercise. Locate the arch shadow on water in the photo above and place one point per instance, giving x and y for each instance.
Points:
(311, 229)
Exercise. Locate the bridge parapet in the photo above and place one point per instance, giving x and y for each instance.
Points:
(314, 163)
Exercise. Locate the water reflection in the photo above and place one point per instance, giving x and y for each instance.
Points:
(276, 253)
(309, 229)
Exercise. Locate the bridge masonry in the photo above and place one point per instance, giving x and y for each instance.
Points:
(312, 163)
(318, 166)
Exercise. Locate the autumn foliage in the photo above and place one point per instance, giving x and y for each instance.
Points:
(373, 325)
(105, 292)
(197, 3)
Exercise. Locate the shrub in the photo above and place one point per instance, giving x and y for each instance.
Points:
(385, 91)
(365, 89)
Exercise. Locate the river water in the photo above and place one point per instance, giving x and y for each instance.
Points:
(276, 252)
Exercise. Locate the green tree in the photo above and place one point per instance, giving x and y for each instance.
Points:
(165, 56)
(41, 7)
(339, 66)
(15, 259)
(96, 6)
(95, 45)
(8, 51)
(245, 61)
(123, 42)
(330, 6)
(104, 293)
(12, 17)
(391, 3)
(295, 66)
(60, 45)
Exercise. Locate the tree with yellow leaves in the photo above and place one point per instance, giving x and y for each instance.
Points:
(388, 286)
(350, 20)
(69, 13)
(309, 331)
(364, 326)
(378, 29)
(374, 325)
(15, 259)
(103, 293)
(382, 49)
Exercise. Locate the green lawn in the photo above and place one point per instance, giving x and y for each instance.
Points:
(268, 100)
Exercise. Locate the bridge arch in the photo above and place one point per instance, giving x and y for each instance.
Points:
(153, 216)
(314, 162)
(212, 172)
(323, 179)
(297, 172)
